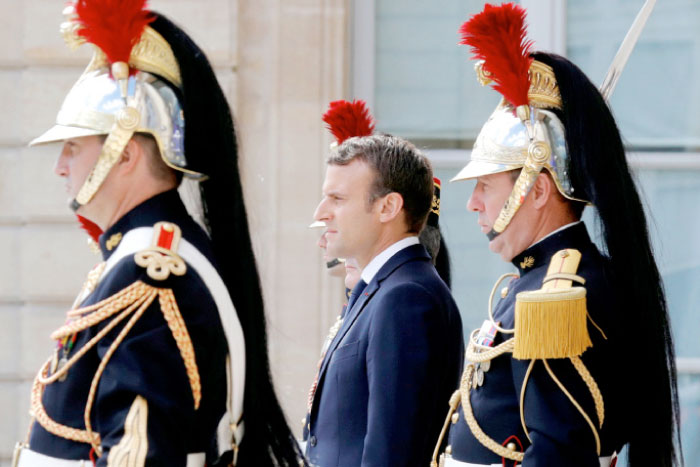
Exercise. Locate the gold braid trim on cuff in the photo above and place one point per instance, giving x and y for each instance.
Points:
(134, 300)
(132, 449)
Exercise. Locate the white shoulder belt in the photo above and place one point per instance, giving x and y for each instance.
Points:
(231, 425)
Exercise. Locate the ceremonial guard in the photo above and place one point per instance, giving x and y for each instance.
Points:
(162, 359)
(575, 360)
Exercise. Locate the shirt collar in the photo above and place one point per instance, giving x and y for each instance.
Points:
(380, 260)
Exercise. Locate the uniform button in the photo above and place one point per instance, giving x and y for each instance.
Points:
(455, 417)
(312, 441)
(448, 450)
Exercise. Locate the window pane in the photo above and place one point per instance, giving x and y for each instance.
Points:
(658, 94)
(425, 85)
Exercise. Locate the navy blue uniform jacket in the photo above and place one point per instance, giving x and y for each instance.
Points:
(560, 435)
(147, 363)
(388, 374)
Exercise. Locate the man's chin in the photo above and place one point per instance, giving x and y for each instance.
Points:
(497, 246)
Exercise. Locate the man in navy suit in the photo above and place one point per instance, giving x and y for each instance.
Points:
(390, 370)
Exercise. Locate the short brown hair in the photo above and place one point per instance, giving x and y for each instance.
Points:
(399, 167)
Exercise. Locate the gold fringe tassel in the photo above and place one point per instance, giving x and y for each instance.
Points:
(551, 324)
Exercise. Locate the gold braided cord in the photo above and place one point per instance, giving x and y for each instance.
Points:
(576, 404)
(596, 326)
(486, 355)
(123, 297)
(522, 399)
(37, 411)
(134, 300)
(454, 403)
(92, 342)
(112, 348)
(592, 387)
(493, 292)
(177, 326)
(483, 438)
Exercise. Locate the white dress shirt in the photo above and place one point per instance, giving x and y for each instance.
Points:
(380, 260)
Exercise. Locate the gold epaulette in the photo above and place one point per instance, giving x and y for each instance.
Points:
(552, 322)
(549, 323)
(161, 259)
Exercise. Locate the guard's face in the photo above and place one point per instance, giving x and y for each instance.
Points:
(336, 271)
(487, 199)
(352, 273)
(352, 224)
(76, 160)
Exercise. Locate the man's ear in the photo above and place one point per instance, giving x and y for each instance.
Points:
(390, 207)
(131, 155)
(543, 189)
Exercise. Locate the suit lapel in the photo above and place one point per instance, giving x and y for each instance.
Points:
(403, 256)
(351, 316)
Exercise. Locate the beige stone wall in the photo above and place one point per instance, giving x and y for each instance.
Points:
(280, 63)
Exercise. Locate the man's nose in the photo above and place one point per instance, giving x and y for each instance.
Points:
(474, 203)
(321, 213)
(61, 167)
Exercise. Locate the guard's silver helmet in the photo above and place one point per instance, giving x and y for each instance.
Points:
(92, 105)
(524, 131)
(119, 99)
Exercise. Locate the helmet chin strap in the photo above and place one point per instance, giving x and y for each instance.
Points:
(112, 150)
(538, 153)
(126, 122)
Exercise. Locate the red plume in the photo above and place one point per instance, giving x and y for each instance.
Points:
(92, 229)
(347, 119)
(114, 26)
(497, 35)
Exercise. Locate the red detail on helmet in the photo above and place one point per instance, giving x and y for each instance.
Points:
(498, 36)
(114, 26)
(437, 182)
(347, 119)
(92, 229)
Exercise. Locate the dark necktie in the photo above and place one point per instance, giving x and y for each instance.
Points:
(355, 294)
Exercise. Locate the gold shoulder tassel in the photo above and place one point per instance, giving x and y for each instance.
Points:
(552, 322)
